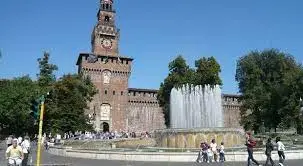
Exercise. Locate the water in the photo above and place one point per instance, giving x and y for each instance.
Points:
(196, 107)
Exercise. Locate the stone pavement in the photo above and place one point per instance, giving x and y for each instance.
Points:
(51, 159)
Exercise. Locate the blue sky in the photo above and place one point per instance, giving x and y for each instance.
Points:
(152, 32)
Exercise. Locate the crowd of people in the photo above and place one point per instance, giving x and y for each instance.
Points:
(105, 135)
(18, 150)
(210, 153)
(269, 147)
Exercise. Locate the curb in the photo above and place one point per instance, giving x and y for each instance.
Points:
(163, 156)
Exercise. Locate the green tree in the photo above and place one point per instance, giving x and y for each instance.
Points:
(269, 92)
(15, 99)
(180, 73)
(207, 71)
(66, 104)
(46, 76)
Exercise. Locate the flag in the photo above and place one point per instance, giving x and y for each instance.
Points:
(0, 54)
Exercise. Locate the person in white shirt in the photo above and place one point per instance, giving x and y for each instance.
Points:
(19, 141)
(9, 141)
(210, 155)
(281, 149)
(221, 151)
(213, 147)
(26, 150)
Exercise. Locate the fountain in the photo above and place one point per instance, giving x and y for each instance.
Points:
(196, 115)
(196, 107)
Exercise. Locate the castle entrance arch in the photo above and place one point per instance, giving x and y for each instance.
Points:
(105, 118)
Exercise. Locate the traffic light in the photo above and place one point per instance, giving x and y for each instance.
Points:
(35, 109)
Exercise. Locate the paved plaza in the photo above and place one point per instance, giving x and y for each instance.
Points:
(51, 159)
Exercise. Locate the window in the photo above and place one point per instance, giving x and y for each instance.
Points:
(105, 92)
(121, 93)
(106, 18)
(114, 92)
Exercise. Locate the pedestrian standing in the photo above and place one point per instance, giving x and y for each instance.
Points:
(250, 143)
(200, 154)
(210, 155)
(269, 148)
(213, 146)
(204, 152)
(26, 150)
(9, 141)
(281, 149)
(19, 141)
(221, 153)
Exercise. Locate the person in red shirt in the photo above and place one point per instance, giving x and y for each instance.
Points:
(250, 143)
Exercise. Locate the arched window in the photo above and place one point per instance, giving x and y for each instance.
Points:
(106, 19)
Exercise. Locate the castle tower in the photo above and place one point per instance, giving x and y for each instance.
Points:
(105, 36)
(108, 71)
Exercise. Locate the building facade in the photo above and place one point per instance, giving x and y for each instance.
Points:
(117, 107)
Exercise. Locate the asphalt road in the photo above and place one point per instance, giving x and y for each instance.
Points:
(51, 159)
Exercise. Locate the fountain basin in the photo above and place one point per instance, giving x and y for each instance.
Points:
(191, 138)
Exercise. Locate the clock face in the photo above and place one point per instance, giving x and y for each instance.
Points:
(107, 43)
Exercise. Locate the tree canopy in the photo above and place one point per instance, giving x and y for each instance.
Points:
(64, 106)
(206, 71)
(271, 85)
(15, 99)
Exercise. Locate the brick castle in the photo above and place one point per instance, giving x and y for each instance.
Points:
(117, 107)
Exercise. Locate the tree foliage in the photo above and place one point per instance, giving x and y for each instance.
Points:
(269, 83)
(64, 106)
(46, 76)
(15, 99)
(206, 71)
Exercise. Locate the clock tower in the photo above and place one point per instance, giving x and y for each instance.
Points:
(105, 36)
(108, 71)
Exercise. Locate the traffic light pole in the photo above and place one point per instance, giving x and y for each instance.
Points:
(40, 135)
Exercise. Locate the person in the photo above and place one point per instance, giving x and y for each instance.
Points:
(269, 148)
(281, 149)
(210, 155)
(250, 143)
(26, 150)
(213, 146)
(19, 141)
(9, 141)
(204, 152)
(14, 153)
(221, 153)
(200, 154)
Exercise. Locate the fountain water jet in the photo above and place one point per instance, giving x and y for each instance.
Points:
(196, 107)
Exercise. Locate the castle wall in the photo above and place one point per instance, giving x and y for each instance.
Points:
(231, 111)
(144, 112)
